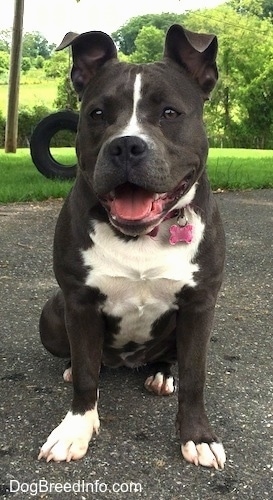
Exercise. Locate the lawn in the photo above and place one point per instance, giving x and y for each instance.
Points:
(228, 169)
(31, 94)
(240, 168)
(21, 181)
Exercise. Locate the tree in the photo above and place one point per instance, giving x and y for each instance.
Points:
(35, 44)
(66, 95)
(149, 45)
(4, 62)
(257, 98)
(26, 64)
(268, 9)
(39, 62)
(260, 8)
(245, 54)
(126, 35)
(245, 7)
(5, 40)
(57, 65)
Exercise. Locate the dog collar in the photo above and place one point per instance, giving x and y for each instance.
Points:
(182, 231)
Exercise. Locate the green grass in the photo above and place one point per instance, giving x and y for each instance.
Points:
(228, 169)
(21, 181)
(31, 94)
(240, 168)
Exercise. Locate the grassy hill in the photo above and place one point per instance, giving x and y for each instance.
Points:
(35, 89)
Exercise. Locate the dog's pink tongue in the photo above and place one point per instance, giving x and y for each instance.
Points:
(132, 203)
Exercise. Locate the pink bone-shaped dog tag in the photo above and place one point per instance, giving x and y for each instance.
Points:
(181, 233)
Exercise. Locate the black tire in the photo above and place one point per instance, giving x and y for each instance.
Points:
(40, 144)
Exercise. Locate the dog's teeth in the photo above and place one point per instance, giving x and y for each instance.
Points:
(160, 196)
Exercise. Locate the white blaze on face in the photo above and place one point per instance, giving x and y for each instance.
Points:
(133, 126)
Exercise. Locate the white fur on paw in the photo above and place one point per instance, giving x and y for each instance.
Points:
(69, 441)
(208, 455)
(67, 375)
(160, 385)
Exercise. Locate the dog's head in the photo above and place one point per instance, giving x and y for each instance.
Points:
(141, 143)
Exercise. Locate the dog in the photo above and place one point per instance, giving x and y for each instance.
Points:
(139, 245)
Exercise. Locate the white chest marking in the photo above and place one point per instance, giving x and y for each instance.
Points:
(140, 277)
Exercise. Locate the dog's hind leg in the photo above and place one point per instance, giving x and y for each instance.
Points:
(52, 327)
(161, 380)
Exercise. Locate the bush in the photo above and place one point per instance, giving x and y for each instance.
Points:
(66, 95)
(57, 65)
(39, 62)
(2, 129)
(4, 61)
(27, 121)
(26, 64)
(28, 118)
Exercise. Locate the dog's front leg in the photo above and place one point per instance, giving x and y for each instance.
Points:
(199, 444)
(69, 441)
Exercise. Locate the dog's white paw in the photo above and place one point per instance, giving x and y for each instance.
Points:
(69, 441)
(208, 455)
(160, 384)
(67, 375)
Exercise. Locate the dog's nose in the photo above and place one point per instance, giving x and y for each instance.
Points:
(128, 150)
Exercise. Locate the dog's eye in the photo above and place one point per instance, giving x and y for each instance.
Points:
(170, 113)
(97, 114)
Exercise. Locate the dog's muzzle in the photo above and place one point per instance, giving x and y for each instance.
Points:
(133, 208)
(135, 211)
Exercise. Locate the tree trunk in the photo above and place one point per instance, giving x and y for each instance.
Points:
(14, 78)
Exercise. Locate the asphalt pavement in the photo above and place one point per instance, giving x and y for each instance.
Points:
(137, 453)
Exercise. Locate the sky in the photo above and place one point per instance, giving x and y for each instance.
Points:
(54, 18)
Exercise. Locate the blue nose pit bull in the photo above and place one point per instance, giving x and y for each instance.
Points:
(139, 244)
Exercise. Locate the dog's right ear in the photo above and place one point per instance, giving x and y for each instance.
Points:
(89, 51)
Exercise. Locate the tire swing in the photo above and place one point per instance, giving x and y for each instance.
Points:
(40, 144)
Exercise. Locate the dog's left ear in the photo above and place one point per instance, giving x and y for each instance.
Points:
(196, 52)
(89, 51)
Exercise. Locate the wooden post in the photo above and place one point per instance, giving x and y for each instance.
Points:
(14, 78)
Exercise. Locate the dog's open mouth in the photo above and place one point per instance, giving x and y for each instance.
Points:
(135, 210)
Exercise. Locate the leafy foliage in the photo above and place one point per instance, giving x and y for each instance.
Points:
(26, 64)
(260, 8)
(149, 45)
(126, 36)
(245, 55)
(35, 44)
(66, 96)
(27, 121)
(4, 62)
(28, 118)
(240, 112)
(5, 40)
(58, 65)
